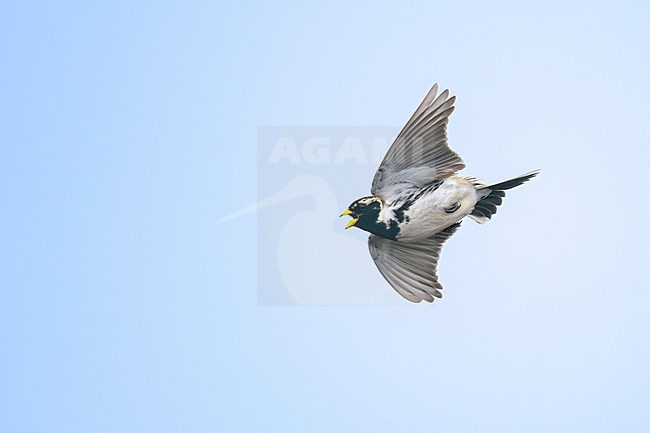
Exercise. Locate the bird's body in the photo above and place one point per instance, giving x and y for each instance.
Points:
(423, 212)
(418, 201)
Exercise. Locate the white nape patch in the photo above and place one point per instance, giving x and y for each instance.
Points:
(386, 214)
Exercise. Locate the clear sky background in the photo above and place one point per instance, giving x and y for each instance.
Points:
(127, 129)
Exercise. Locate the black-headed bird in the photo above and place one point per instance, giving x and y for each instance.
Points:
(418, 201)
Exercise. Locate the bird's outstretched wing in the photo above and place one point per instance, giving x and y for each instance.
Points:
(410, 267)
(420, 154)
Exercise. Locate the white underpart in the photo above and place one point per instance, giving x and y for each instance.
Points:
(427, 216)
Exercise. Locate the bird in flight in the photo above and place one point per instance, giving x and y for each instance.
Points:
(418, 201)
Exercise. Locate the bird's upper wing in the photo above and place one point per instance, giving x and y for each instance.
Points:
(410, 267)
(420, 154)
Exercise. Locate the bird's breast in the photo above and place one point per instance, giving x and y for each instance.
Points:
(426, 215)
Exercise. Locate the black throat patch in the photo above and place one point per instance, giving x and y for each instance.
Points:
(369, 221)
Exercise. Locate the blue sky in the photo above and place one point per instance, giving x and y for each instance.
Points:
(129, 129)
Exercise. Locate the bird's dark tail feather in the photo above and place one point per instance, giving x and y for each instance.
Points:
(491, 196)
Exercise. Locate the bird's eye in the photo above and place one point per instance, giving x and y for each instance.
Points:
(362, 206)
(453, 208)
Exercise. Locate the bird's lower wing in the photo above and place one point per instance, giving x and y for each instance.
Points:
(410, 267)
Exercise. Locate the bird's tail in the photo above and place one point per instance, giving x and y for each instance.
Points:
(491, 196)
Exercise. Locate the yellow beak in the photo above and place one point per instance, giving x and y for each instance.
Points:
(352, 222)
